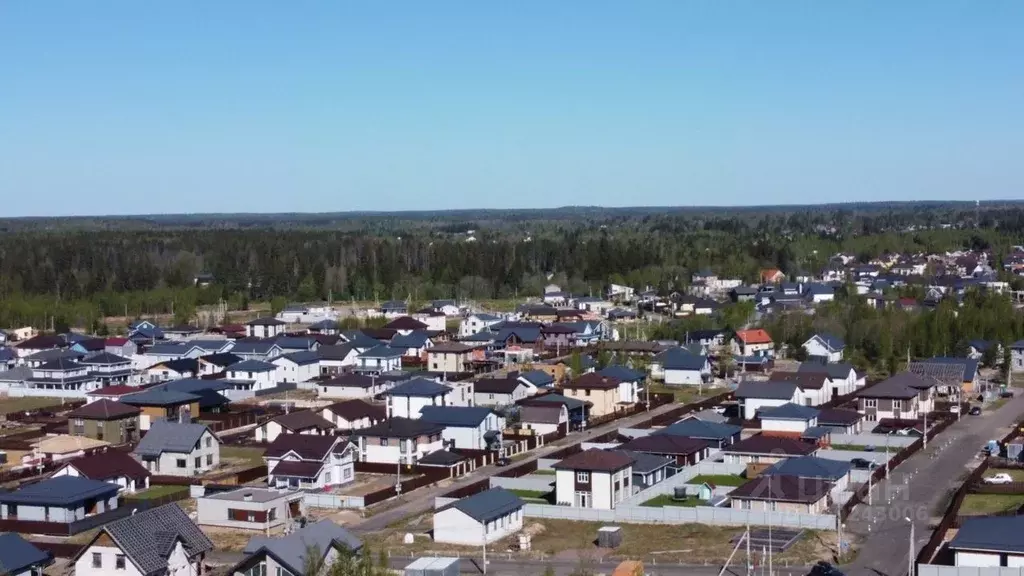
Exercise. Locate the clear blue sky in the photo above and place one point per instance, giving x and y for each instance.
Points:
(124, 107)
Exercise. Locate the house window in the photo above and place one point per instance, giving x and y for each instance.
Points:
(209, 442)
(490, 396)
(327, 478)
(383, 441)
(119, 561)
(272, 514)
(897, 404)
(97, 560)
(209, 459)
(583, 477)
(257, 570)
(199, 461)
(181, 463)
(346, 473)
(870, 403)
(251, 517)
(745, 504)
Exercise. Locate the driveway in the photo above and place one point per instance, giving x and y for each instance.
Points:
(917, 487)
(422, 500)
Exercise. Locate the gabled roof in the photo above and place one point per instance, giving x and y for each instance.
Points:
(291, 550)
(104, 410)
(442, 458)
(595, 460)
(148, 537)
(268, 321)
(410, 340)
(335, 351)
(755, 336)
(694, 428)
(595, 381)
(419, 387)
(167, 349)
(176, 437)
(252, 366)
(302, 420)
(948, 371)
(108, 465)
(777, 445)
(487, 505)
(458, 416)
(622, 373)
(62, 364)
(301, 358)
(179, 365)
(360, 339)
(810, 467)
(766, 390)
(42, 342)
(105, 359)
(680, 359)
(400, 428)
(837, 417)
(296, 342)
(538, 378)
(990, 534)
(358, 409)
(261, 348)
(788, 411)
(665, 444)
(59, 491)
(158, 397)
(349, 380)
(541, 414)
(831, 342)
(644, 463)
(497, 385)
(898, 386)
(834, 370)
(405, 323)
(569, 403)
(222, 359)
(18, 555)
(783, 488)
(381, 351)
(806, 380)
(306, 446)
(450, 348)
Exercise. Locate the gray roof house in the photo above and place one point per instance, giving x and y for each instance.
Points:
(178, 449)
(19, 557)
(718, 434)
(290, 552)
(811, 467)
(484, 517)
(160, 540)
(988, 541)
(62, 500)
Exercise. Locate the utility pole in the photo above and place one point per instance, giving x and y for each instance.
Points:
(485, 548)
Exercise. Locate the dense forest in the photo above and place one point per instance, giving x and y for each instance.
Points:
(79, 270)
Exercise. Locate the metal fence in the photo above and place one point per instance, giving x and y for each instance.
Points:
(877, 440)
(542, 484)
(684, 515)
(333, 501)
(682, 478)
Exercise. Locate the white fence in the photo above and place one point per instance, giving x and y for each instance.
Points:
(546, 463)
(682, 478)
(877, 440)
(441, 501)
(542, 483)
(937, 570)
(334, 501)
(847, 455)
(684, 515)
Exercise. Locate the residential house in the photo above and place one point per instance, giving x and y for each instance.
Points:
(108, 368)
(536, 380)
(155, 542)
(681, 450)
(63, 378)
(754, 342)
(309, 462)
(466, 427)
(252, 375)
(631, 381)
(334, 358)
(291, 554)
(406, 399)
(953, 375)
(379, 360)
(499, 391)
(579, 410)
(297, 367)
(620, 293)
(841, 421)
(772, 276)
(353, 414)
(718, 435)
(825, 346)
(112, 466)
(602, 392)
(351, 385)
(394, 309)
(263, 351)
(406, 325)
(161, 404)
(476, 323)
(1017, 356)
(767, 449)
(249, 508)
(171, 370)
(788, 419)
(327, 326)
(412, 344)
(398, 440)
(480, 519)
(39, 343)
(649, 469)
(215, 364)
(60, 500)
(446, 307)
(449, 357)
(755, 396)
(594, 478)
(182, 332)
(812, 386)
(787, 494)
(988, 542)
(19, 557)
(306, 422)
(264, 328)
(179, 449)
(680, 367)
(835, 472)
(544, 419)
(843, 379)
(899, 397)
(107, 420)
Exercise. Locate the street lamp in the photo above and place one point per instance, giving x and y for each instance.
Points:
(910, 557)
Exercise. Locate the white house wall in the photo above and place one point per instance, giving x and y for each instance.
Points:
(452, 526)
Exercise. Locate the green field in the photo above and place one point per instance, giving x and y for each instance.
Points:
(12, 405)
(985, 504)
(666, 500)
(718, 479)
(158, 492)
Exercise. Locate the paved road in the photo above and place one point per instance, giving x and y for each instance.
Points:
(932, 473)
(501, 565)
(422, 500)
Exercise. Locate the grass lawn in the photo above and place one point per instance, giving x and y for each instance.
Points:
(537, 494)
(252, 454)
(546, 472)
(984, 504)
(159, 492)
(666, 500)
(683, 394)
(718, 479)
(11, 405)
(1017, 475)
(856, 447)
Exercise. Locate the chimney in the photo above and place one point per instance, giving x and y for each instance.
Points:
(247, 497)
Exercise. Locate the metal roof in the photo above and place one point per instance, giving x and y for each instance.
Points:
(291, 550)
(459, 416)
(252, 366)
(59, 491)
(164, 436)
(811, 467)
(487, 505)
(381, 351)
(17, 555)
(147, 538)
(766, 390)
(990, 534)
(681, 359)
(158, 397)
(695, 428)
(788, 411)
(419, 387)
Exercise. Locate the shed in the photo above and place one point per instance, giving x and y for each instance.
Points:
(433, 567)
(609, 536)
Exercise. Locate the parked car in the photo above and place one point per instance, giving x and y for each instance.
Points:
(863, 464)
(954, 409)
(502, 462)
(1001, 478)
(823, 568)
(1006, 394)
(975, 411)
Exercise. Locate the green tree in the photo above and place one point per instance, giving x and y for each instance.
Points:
(576, 363)
(604, 358)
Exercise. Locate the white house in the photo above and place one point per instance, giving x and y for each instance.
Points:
(178, 449)
(620, 292)
(398, 440)
(476, 323)
(161, 540)
(253, 374)
(754, 342)
(334, 358)
(305, 422)
(264, 328)
(350, 385)
(989, 542)
(544, 419)
(112, 466)
(825, 346)
(466, 427)
(480, 519)
(812, 385)
(788, 418)
(309, 462)
(379, 360)
(842, 377)
(353, 414)
(755, 396)
(680, 367)
(594, 478)
(406, 399)
(297, 367)
(500, 391)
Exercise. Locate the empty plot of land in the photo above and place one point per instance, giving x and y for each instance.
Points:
(777, 540)
(10, 405)
(365, 483)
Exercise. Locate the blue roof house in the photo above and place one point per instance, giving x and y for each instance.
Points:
(19, 557)
(466, 427)
(825, 346)
(71, 503)
(378, 360)
(408, 398)
(814, 468)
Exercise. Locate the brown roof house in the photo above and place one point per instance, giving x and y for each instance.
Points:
(899, 397)
(594, 478)
(764, 449)
(788, 494)
(309, 462)
(107, 420)
(354, 414)
(607, 394)
(305, 422)
(112, 466)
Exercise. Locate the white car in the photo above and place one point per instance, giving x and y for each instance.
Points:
(1001, 478)
(954, 409)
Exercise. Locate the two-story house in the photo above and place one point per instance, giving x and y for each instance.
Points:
(162, 404)
(108, 368)
(352, 385)
(178, 449)
(353, 414)
(812, 386)
(297, 367)
(305, 422)
(334, 358)
(466, 427)
(379, 360)
(755, 396)
(754, 342)
(450, 357)
(500, 391)
(107, 420)
(605, 393)
(406, 399)
(594, 478)
(398, 440)
(254, 375)
(62, 377)
(153, 542)
(899, 397)
(476, 323)
(300, 461)
(264, 328)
